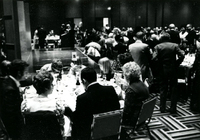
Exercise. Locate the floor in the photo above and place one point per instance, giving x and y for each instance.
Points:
(185, 125)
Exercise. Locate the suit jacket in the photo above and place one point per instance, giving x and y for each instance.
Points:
(97, 99)
(10, 103)
(174, 36)
(136, 93)
(166, 54)
(141, 55)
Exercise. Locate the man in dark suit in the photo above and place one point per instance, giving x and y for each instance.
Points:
(11, 98)
(165, 55)
(42, 35)
(191, 38)
(141, 55)
(96, 99)
(174, 34)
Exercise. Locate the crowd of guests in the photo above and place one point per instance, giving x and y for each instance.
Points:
(116, 41)
(44, 39)
(158, 51)
(96, 98)
(141, 55)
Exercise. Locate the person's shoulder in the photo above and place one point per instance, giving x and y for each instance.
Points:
(46, 67)
(132, 45)
(82, 96)
(145, 45)
(8, 81)
(109, 87)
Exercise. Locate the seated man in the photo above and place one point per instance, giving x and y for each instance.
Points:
(96, 99)
(5, 68)
(11, 98)
(56, 66)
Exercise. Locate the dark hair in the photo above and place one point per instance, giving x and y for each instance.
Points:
(119, 38)
(89, 74)
(42, 81)
(56, 65)
(124, 58)
(164, 37)
(5, 67)
(17, 65)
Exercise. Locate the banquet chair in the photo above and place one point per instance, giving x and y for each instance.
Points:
(42, 125)
(184, 82)
(106, 125)
(143, 119)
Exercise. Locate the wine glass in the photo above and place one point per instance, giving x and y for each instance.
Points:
(104, 79)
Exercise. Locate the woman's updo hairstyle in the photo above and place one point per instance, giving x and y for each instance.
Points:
(132, 72)
(42, 81)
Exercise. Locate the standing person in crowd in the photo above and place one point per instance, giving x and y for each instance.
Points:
(183, 34)
(96, 99)
(141, 55)
(2, 47)
(195, 96)
(71, 33)
(136, 93)
(120, 48)
(191, 38)
(165, 56)
(11, 98)
(42, 35)
(62, 29)
(35, 39)
(174, 34)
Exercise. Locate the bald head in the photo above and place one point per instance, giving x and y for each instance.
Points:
(172, 26)
(139, 35)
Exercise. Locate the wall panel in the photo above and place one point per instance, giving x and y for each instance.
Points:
(127, 13)
(123, 13)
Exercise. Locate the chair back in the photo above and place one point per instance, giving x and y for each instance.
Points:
(146, 111)
(106, 124)
(42, 125)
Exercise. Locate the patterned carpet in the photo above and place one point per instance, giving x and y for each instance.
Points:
(185, 125)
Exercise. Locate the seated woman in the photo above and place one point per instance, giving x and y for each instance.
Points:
(42, 82)
(135, 94)
(76, 67)
(121, 60)
(105, 68)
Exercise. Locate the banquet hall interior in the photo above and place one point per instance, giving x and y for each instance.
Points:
(21, 20)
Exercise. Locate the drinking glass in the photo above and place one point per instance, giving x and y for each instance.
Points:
(104, 79)
(118, 77)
